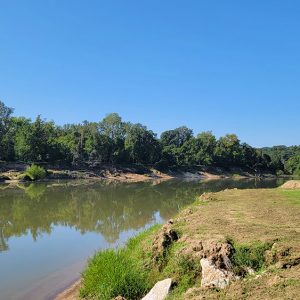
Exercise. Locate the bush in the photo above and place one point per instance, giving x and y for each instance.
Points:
(112, 273)
(35, 172)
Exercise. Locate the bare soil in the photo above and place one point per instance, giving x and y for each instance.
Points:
(291, 184)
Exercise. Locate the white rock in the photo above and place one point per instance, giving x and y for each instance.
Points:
(214, 277)
(160, 290)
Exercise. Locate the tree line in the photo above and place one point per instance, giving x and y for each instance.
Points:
(113, 141)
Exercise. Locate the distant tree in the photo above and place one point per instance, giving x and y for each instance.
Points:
(292, 165)
(36, 141)
(228, 150)
(249, 157)
(142, 145)
(114, 128)
(114, 141)
(176, 137)
(6, 141)
(208, 144)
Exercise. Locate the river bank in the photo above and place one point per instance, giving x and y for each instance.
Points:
(250, 237)
(14, 172)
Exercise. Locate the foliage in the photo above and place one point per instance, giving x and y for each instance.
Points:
(114, 141)
(5, 142)
(141, 144)
(292, 165)
(35, 172)
(112, 273)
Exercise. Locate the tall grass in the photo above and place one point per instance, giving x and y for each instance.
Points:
(112, 273)
(123, 272)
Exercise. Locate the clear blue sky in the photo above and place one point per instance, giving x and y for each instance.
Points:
(226, 66)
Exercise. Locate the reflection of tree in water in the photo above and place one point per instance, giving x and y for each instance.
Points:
(107, 209)
(3, 240)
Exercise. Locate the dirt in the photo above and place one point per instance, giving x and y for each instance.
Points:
(291, 185)
(71, 293)
(12, 172)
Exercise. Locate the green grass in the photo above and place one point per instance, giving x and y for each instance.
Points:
(112, 273)
(292, 195)
(35, 172)
(124, 272)
(249, 255)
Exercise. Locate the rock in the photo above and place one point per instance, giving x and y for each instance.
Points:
(250, 271)
(120, 298)
(212, 276)
(160, 290)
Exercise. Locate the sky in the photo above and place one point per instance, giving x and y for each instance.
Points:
(226, 66)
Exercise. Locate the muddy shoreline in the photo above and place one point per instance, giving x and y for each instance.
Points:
(12, 173)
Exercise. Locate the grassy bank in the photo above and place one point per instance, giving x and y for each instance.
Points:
(260, 226)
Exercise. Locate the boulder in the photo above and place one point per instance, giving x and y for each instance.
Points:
(160, 290)
(212, 276)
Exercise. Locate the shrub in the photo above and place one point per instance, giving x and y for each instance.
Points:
(112, 273)
(35, 172)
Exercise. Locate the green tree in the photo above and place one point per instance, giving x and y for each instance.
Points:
(36, 141)
(142, 144)
(228, 150)
(292, 165)
(114, 128)
(176, 137)
(199, 150)
(6, 142)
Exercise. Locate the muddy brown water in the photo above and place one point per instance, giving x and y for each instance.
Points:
(48, 230)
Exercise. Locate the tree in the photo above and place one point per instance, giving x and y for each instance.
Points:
(5, 138)
(114, 128)
(292, 166)
(142, 145)
(36, 141)
(228, 150)
(172, 141)
(176, 137)
(206, 151)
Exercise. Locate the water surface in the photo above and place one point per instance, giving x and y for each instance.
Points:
(48, 230)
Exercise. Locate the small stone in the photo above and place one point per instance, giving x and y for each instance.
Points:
(250, 271)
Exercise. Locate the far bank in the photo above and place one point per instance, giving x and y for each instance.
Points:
(16, 172)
